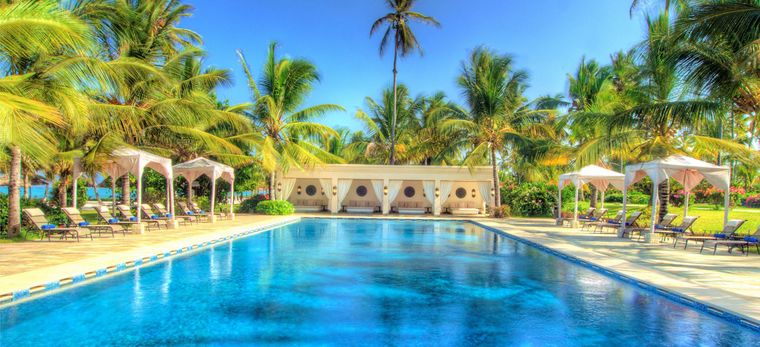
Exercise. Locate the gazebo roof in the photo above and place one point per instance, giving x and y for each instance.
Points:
(686, 170)
(595, 175)
(192, 169)
(131, 160)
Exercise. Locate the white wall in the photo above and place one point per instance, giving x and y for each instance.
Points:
(304, 199)
(468, 200)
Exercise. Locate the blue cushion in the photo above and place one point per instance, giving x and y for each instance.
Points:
(593, 219)
(612, 221)
(47, 226)
(84, 224)
(189, 213)
(113, 220)
(750, 239)
(202, 211)
(678, 230)
(153, 216)
(133, 219)
(719, 236)
(168, 215)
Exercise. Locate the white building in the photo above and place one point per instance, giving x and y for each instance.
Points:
(405, 189)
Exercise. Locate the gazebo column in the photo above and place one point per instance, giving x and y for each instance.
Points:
(621, 229)
(653, 219)
(726, 205)
(172, 223)
(74, 184)
(559, 205)
(212, 216)
(232, 199)
(140, 226)
(437, 201)
(386, 201)
(575, 210)
(113, 195)
(603, 191)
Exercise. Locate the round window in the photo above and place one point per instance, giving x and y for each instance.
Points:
(311, 190)
(361, 190)
(461, 193)
(409, 192)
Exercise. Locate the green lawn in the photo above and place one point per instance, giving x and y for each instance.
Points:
(710, 218)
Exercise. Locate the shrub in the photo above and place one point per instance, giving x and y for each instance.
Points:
(752, 201)
(530, 199)
(502, 211)
(634, 197)
(275, 207)
(249, 205)
(81, 194)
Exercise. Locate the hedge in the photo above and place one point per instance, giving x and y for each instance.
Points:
(275, 207)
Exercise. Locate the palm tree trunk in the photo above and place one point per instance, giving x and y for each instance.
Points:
(189, 192)
(27, 185)
(14, 195)
(664, 194)
(392, 159)
(62, 194)
(125, 189)
(271, 186)
(497, 191)
(95, 190)
(594, 193)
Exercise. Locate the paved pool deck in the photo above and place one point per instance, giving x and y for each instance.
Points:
(730, 282)
(35, 264)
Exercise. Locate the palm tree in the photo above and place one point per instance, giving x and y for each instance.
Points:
(431, 144)
(404, 42)
(384, 135)
(30, 31)
(499, 114)
(283, 127)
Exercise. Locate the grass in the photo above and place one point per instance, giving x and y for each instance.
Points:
(710, 217)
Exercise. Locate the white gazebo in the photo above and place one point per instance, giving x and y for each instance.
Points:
(686, 171)
(129, 160)
(200, 166)
(597, 176)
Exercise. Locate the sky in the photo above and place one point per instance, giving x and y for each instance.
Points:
(547, 38)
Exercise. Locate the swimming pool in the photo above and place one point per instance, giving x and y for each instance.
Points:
(363, 282)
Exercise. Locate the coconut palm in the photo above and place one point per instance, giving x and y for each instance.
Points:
(431, 144)
(30, 31)
(499, 115)
(397, 23)
(283, 127)
(383, 134)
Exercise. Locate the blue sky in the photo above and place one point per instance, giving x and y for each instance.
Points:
(546, 37)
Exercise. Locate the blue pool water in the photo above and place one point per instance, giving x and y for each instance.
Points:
(363, 282)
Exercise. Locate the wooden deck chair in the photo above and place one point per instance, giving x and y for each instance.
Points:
(147, 213)
(597, 216)
(727, 233)
(37, 218)
(163, 212)
(745, 242)
(607, 223)
(107, 217)
(664, 224)
(188, 212)
(126, 212)
(76, 218)
(197, 209)
(676, 231)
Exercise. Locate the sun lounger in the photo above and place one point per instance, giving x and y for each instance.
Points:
(583, 216)
(676, 231)
(664, 224)
(747, 241)
(76, 218)
(147, 212)
(726, 234)
(197, 209)
(463, 209)
(107, 217)
(37, 217)
(597, 216)
(308, 205)
(188, 212)
(163, 212)
(631, 223)
(125, 211)
(406, 207)
(607, 223)
(363, 207)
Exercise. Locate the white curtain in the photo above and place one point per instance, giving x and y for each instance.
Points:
(343, 187)
(325, 183)
(429, 188)
(377, 187)
(445, 191)
(287, 188)
(485, 192)
(394, 187)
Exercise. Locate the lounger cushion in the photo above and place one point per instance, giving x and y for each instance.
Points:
(719, 236)
(751, 239)
(84, 224)
(113, 220)
(47, 226)
(133, 219)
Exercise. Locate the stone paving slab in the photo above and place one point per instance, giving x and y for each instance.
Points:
(37, 263)
(730, 282)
